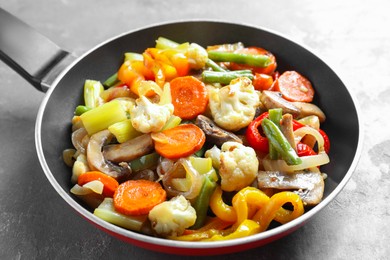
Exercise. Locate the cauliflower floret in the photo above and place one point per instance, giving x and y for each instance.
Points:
(172, 217)
(149, 117)
(233, 106)
(197, 56)
(238, 166)
(214, 153)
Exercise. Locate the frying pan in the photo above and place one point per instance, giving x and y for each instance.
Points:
(57, 72)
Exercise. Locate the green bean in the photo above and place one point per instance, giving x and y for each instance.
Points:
(111, 81)
(275, 115)
(201, 204)
(224, 77)
(242, 58)
(214, 65)
(279, 142)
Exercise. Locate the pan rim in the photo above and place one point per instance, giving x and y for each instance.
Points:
(186, 244)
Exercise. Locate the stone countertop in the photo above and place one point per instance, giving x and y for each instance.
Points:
(35, 223)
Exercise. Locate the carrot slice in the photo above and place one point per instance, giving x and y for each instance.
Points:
(189, 97)
(138, 197)
(295, 87)
(110, 184)
(263, 81)
(180, 141)
(255, 51)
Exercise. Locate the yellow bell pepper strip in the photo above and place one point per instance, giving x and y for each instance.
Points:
(197, 236)
(274, 210)
(246, 228)
(247, 201)
(220, 208)
(279, 142)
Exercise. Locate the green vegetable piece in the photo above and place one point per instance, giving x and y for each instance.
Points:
(81, 110)
(241, 58)
(111, 81)
(102, 117)
(144, 162)
(172, 122)
(92, 91)
(201, 204)
(124, 131)
(214, 66)
(106, 211)
(133, 56)
(279, 142)
(224, 77)
(275, 115)
(164, 43)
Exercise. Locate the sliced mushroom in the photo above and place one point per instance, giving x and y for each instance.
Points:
(130, 150)
(308, 109)
(286, 126)
(96, 159)
(309, 185)
(274, 99)
(80, 139)
(214, 133)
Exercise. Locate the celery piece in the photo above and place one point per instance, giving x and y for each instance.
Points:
(92, 91)
(102, 117)
(144, 162)
(123, 131)
(164, 43)
(172, 122)
(106, 211)
(202, 165)
(133, 56)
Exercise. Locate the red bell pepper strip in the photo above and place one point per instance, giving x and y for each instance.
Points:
(297, 125)
(255, 139)
(304, 150)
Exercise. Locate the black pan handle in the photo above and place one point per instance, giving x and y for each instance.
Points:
(29, 53)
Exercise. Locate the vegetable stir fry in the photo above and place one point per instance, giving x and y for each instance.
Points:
(198, 144)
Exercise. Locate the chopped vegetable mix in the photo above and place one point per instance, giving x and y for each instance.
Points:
(186, 142)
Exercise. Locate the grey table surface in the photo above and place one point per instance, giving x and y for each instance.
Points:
(352, 36)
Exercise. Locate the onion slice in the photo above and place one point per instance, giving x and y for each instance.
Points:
(183, 169)
(307, 162)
